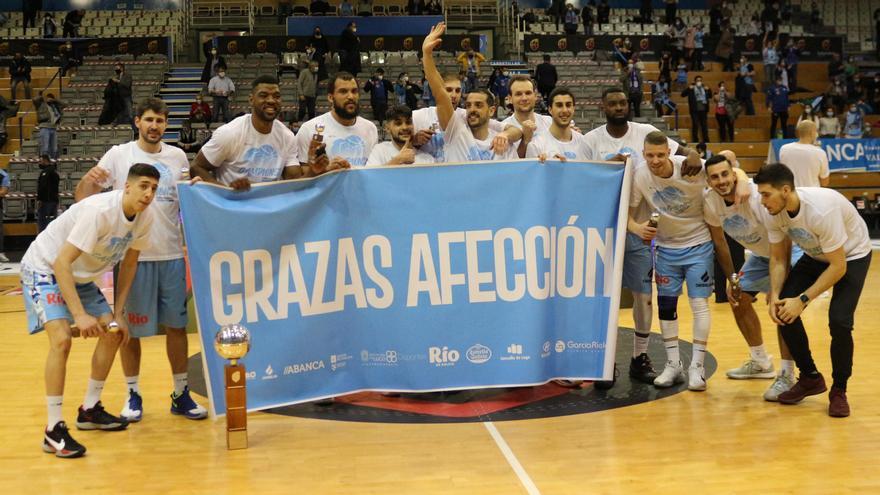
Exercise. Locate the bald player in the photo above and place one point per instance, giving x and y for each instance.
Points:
(806, 160)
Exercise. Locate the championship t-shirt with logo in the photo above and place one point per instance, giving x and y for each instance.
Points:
(97, 226)
(426, 118)
(167, 241)
(743, 222)
(573, 149)
(462, 146)
(353, 142)
(238, 150)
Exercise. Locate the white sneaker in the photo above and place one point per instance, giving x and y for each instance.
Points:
(673, 374)
(782, 384)
(3, 258)
(752, 369)
(697, 377)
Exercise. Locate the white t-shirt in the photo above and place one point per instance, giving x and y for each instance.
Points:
(238, 150)
(383, 153)
(461, 145)
(574, 149)
(743, 222)
(424, 118)
(542, 123)
(354, 142)
(807, 162)
(166, 241)
(679, 202)
(98, 227)
(825, 222)
(602, 146)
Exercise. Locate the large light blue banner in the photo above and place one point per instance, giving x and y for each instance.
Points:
(844, 155)
(411, 278)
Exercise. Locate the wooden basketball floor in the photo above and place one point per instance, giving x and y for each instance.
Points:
(725, 440)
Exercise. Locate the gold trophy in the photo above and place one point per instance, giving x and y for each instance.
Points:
(232, 342)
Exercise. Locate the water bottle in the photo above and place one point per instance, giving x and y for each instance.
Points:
(653, 222)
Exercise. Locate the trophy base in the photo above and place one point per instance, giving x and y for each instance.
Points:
(236, 439)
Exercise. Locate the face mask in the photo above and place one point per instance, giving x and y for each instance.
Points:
(213, 52)
(380, 76)
(221, 74)
(630, 66)
(830, 114)
(405, 78)
(354, 30)
(699, 84)
(314, 70)
(808, 110)
(504, 74)
(852, 109)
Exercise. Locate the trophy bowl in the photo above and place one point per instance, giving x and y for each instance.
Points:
(232, 342)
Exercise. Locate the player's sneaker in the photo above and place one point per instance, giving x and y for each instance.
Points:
(59, 442)
(751, 369)
(607, 384)
(184, 405)
(134, 407)
(97, 418)
(696, 377)
(4, 258)
(673, 374)
(641, 370)
(569, 383)
(782, 383)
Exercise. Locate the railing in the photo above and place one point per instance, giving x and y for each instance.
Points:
(34, 109)
(222, 14)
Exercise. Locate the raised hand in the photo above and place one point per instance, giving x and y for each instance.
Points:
(433, 40)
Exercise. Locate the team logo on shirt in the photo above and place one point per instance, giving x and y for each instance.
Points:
(352, 148)
(672, 200)
(476, 154)
(263, 161)
(740, 229)
(806, 241)
(437, 142)
(116, 248)
(571, 155)
(626, 150)
(166, 189)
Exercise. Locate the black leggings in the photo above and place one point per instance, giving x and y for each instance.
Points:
(844, 299)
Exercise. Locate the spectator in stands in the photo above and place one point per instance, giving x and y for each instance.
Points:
(782, 73)
(792, 57)
(660, 92)
(20, 73)
(815, 18)
(50, 27)
(188, 139)
(724, 49)
(665, 65)
(416, 7)
(633, 82)
(413, 91)
(379, 90)
(435, 7)
(723, 114)
(676, 34)
(873, 92)
(697, 58)
(836, 94)
(365, 8)
(427, 97)
(72, 21)
(319, 7)
(7, 110)
(747, 78)
(646, 13)
(200, 112)
(807, 113)
(715, 17)
(123, 79)
(571, 20)
(854, 122)
(546, 77)
(346, 9)
(771, 59)
(850, 69)
(690, 41)
(47, 193)
(4, 190)
(754, 26)
(698, 97)
(777, 102)
(213, 60)
(835, 67)
(400, 90)
(681, 78)
(285, 9)
(307, 88)
(501, 86)
(49, 113)
(603, 12)
(350, 50)
(671, 7)
(587, 19)
(320, 49)
(30, 9)
(221, 88)
(69, 59)
(470, 63)
(556, 11)
(770, 18)
(829, 125)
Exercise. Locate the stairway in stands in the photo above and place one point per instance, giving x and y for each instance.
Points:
(182, 84)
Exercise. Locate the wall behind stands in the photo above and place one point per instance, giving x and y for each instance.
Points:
(366, 26)
(90, 5)
(40, 50)
(621, 4)
(246, 45)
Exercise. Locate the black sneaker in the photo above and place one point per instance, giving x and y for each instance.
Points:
(640, 369)
(97, 418)
(607, 384)
(59, 442)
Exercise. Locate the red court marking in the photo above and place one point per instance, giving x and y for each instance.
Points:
(504, 400)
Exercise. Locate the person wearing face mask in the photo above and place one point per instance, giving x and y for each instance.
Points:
(200, 112)
(123, 79)
(570, 23)
(837, 94)
(829, 125)
(633, 81)
(212, 61)
(346, 9)
(808, 114)
(723, 114)
(69, 60)
(307, 87)
(380, 91)
(47, 193)
(350, 50)
(745, 86)
(855, 121)
(778, 103)
(501, 86)
(221, 88)
(400, 90)
(49, 113)
(470, 63)
(320, 49)
(698, 97)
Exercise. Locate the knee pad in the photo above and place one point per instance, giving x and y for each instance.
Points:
(667, 307)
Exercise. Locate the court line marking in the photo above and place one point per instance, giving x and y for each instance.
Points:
(521, 473)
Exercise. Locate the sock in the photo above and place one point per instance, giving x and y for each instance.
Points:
(760, 356)
(702, 324)
(786, 367)
(131, 383)
(640, 343)
(642, 312)
(53, 407)
(669, 329)
(180, 382)
(93, 393)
